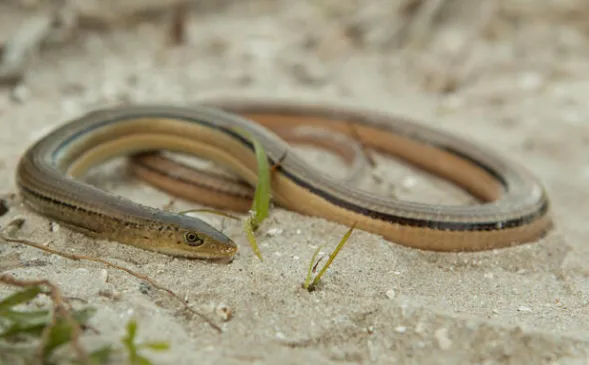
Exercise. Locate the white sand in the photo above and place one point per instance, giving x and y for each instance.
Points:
(522, 92)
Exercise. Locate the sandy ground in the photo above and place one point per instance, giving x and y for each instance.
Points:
(518, 83)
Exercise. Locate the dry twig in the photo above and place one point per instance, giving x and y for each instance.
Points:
(61, 308)
(109, 264)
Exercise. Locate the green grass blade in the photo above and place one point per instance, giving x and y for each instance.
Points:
(261, 204)
(251, 237)
(262, 195)
(20, 297)
(142, 360)
(24, 317)
(17, 329)
(133, 348)
(310, 271)
(332, 257)
(102, 355)
(156, 346)
(82, 316)
(61, 333)
(129, 339)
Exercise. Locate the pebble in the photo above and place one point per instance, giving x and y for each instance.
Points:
(20, 93)
(54, 227)
(523, 308)
(224, 312)
(444, 342)
(104, 275)
(530, 81)
(309, 73)
(274, 232)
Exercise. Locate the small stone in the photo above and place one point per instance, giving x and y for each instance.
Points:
(444, 341)
(42, 301)
(530, 81)
(54, 227)
(523, 308)
(400, 329)
(104, 275)
(274, 232)
(390, 294)
(451, 104)
(224, 312)
(20, 93)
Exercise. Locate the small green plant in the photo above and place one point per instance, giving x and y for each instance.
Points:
(129, 341)
(21, 329)
(310, 286)
(248, 228)
(11, 281)
(51, 328)
(262, 196)
(312, 266)
(261, 204)
(98, 357)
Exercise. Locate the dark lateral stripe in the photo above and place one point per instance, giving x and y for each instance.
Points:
(406, 221)
(426, 223)
(74, 207)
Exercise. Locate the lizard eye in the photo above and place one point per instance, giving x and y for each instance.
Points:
(192, 239)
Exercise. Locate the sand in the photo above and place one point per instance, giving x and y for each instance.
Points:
(518, 89)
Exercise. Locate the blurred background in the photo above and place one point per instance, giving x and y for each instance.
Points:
(512, 75)
(437, 46)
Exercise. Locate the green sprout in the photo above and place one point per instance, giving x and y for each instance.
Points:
(53, 330)
(262, 196)
(129, 341)
(311, 286)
